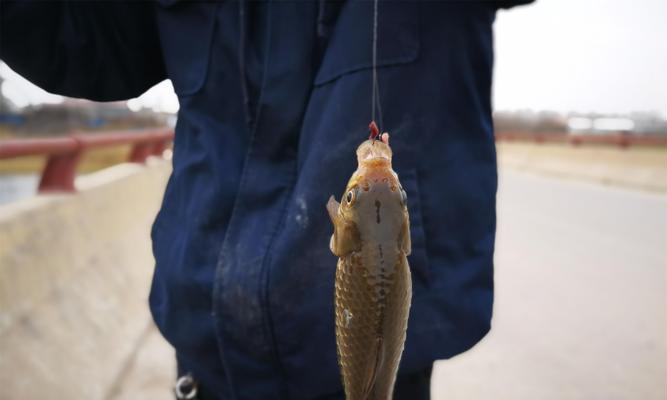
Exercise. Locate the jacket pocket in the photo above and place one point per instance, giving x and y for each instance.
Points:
(350, 47)
(418, 258)
(186, 35)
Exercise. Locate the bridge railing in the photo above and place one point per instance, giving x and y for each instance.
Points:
(619, 139)
(63, 153)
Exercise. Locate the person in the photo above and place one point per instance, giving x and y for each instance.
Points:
(274, 98)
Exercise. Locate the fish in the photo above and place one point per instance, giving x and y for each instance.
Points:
(373, 286)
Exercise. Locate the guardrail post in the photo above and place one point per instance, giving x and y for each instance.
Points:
(59, 173)
(159, 147)
(140, 151)
(623, 141)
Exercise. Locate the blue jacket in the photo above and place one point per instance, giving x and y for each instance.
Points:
(274, 98)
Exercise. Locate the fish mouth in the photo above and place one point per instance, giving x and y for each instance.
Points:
(378, 175)
(374, 152)
(376, 163)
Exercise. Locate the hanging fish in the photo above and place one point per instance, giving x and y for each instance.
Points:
(373, 287)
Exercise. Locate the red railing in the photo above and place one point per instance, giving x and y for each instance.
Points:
(63, 153)
(619, 139)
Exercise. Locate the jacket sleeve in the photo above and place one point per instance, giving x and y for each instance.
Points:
(101, 51)
(511, 3)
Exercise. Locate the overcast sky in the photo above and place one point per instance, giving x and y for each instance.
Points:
(583, 55)
(606, 56)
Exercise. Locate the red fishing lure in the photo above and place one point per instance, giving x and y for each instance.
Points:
(374, 131)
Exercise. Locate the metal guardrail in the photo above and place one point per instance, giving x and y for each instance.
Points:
(64, 153)
(619, 139)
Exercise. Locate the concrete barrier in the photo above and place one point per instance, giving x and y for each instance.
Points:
(75, 272)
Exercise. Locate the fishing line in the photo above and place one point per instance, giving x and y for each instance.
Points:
(375, 96)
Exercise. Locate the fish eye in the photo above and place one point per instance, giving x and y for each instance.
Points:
(404, 197)
(350, 196)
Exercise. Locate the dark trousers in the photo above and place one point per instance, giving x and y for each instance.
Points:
(415, 386)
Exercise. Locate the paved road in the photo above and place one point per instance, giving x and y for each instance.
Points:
(581, 297)
(581, 302)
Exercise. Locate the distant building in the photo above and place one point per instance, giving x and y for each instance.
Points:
(600, 125)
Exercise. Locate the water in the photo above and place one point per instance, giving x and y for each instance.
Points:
(17, 186)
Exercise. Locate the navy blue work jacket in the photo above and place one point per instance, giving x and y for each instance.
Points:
(274, 99)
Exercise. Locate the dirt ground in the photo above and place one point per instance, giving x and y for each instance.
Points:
(635, 167)
(93, 160)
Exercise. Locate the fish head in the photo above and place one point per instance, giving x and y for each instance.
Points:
(373, 208)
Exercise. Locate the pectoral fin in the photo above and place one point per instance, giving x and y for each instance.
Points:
(405, 242)
(332, 208)
(345, 238)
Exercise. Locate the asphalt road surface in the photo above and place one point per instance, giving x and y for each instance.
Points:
(581, 297)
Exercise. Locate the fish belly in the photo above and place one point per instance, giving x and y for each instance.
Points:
(372, 309)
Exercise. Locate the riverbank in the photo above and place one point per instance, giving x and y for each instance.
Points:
(92, 160)
(642, 168)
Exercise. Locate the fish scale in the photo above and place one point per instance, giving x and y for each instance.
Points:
(354, 292)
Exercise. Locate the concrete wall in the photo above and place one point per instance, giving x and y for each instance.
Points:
(75, 273)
